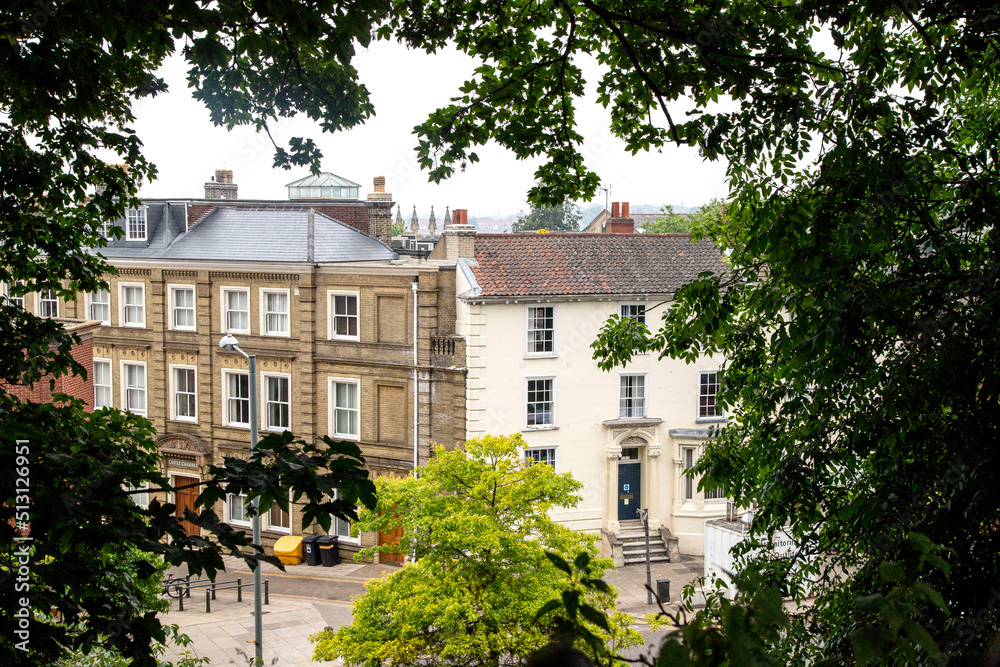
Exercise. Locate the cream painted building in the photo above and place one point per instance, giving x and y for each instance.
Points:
(529, 307)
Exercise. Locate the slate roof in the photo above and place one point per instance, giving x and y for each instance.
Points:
(573, 263)
(241, 234)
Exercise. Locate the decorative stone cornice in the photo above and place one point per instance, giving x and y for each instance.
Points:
(261, 277)
(178, 273)
(135, 272)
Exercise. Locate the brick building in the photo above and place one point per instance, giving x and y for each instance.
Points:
(351, 341)
(71, 385)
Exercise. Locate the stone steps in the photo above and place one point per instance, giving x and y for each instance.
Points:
(633, 540)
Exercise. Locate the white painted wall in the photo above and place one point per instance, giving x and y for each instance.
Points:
(585, 397)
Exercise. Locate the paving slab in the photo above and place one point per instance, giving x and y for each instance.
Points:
(226, 634)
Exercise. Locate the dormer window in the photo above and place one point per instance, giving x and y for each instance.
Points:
(135, 224)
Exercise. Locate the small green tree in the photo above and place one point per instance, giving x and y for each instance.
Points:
(565, 218)
(397, 229)
(477, 520)
(697, 222)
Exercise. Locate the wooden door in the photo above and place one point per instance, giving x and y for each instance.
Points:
(185, 500)
(391, 537)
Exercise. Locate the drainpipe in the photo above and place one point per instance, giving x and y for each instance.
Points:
(416, 397)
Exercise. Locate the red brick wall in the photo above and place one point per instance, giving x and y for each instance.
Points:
(74, 385)
(620, 226)
(354, 215)
(195, 212)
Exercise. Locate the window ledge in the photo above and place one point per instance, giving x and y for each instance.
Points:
(551, 355)
(711, 420)
(632, 421)
(546, 427)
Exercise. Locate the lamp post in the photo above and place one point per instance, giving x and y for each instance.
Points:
(644, 515)
(230, 343)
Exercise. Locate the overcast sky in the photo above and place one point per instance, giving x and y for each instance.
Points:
(405, 86)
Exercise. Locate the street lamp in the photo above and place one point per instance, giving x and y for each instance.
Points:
(230, 343)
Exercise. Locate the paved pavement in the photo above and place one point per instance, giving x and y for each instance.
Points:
(304, 600)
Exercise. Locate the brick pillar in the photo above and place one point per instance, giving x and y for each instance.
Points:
(460, 236)
(380, 212)
(221, 186)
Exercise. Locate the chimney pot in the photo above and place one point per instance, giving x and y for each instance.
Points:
(380, 184)
(614, 209)
(625, 209)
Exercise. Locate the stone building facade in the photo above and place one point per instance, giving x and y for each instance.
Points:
(351, 341)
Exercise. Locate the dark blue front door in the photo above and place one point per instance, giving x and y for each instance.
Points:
(629, 498)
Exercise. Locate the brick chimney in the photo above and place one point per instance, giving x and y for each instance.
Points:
(620, 222)
(380, 212)
(221, 186)
(459, 237)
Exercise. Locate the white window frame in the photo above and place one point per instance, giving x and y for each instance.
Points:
(279, 529)
(264, 400)
(540, 427)
(123, 306)
(224, 291)
(336, 523)
(264, 329)
(107, 306)
(689, 485)
(690, 493)
(226, 397)
(42, 300)
(125, 386)
(172, 319)
(528, 320)
(622, 398)
(109, 386)
(332, 315)
(720, 413)
(172, 369)
(332, 383)
(140, 499)
(633, 304)
(140, 216)
(553, 453)
(15, 300)
(246, 521)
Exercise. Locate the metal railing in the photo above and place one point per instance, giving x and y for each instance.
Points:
(180, 588)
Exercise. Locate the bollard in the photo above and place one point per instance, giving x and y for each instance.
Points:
(208, 602)
(180, 598)
(239, 589)
(213, 590)
(266, 601)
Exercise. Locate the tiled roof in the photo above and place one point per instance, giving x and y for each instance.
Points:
(551, 264)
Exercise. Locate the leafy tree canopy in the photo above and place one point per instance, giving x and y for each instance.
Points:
(477, 520)
(697, 223)
(565, 218)
(859, 312)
